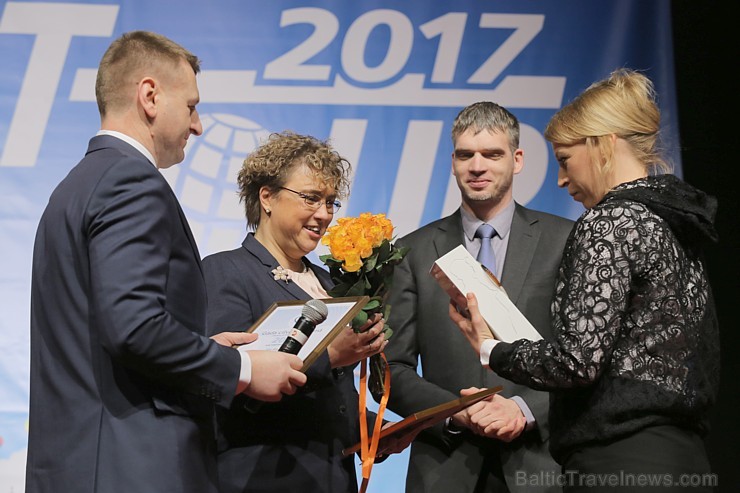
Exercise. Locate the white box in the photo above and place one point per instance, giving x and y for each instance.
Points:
(458, 273)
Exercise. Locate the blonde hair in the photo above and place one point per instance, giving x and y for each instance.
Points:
(271, 164)
(127, 57)
(623, 105)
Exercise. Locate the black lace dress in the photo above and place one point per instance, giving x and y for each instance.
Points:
(636, 337)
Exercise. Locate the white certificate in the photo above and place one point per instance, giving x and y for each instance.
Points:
(275, 325)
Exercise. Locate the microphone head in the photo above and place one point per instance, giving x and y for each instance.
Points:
(315, 310)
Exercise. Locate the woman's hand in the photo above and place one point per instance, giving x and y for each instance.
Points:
(472, 326)
(349, 346)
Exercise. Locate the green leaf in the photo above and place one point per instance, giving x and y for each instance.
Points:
(388, 332)
(358, 288)
(340, 289)
(371, 305)
(387, 328)
(384, 251)
(371, 261)
(359, 320)
(332, 262)
(336, 274)
(395, 257)
(335, 292)
(386, 312)
(398, 254)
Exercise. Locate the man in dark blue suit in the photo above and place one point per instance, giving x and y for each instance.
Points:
(123, 379)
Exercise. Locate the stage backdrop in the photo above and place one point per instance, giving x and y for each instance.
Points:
(382, 79)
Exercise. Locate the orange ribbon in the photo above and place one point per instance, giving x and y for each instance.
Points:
(369, 447)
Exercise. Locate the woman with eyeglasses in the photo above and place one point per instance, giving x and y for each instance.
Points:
(290, 187)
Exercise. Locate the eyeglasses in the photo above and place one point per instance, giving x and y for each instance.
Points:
(313, 202)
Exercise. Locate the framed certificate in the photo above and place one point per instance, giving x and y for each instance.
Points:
(424, 419)
(275, 325)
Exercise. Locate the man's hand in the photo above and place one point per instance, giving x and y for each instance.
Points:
(274, 374)
(459, 421)
(233, 339)
(349, 346)
(473, 327)
(495, 417)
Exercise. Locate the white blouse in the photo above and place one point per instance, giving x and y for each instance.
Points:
(308, 282)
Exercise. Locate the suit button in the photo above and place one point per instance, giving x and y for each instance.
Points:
(339, 372)
(342, 409)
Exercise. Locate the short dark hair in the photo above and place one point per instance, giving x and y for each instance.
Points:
(485, 115)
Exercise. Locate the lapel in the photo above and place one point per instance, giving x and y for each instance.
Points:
(269, 263)
(523, 238)
(449, 234)
(107, 141)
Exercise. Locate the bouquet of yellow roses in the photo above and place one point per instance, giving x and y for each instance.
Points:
(361, 263)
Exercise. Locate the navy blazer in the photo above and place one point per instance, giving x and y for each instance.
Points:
(424, 332)
(294, 444)
(123, 378)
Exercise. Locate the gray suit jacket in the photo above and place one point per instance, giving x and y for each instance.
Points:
(423, 330)
(123, 378)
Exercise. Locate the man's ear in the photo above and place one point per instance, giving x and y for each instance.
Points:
(518, 161)
(148, 96)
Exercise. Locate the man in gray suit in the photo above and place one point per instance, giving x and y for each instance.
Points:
(527, 247)
(123, 379)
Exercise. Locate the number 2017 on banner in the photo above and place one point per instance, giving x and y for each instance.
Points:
(449, 28)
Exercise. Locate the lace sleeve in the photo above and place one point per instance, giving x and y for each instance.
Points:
(607, 247)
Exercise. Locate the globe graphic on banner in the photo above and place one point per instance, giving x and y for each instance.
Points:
(205, 182)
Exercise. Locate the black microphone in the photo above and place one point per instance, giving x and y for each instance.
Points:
(314, 312)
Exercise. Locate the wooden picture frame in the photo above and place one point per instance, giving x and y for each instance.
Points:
(426, 418)
(275, 325)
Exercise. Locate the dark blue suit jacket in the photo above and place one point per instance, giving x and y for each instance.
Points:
(295, 444)
(123, 378)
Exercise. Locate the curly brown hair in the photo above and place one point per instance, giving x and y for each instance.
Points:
(273, 161)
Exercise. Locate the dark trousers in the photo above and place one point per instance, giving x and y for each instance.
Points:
(657, 459)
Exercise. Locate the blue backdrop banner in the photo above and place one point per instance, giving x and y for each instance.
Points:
(382, 79)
